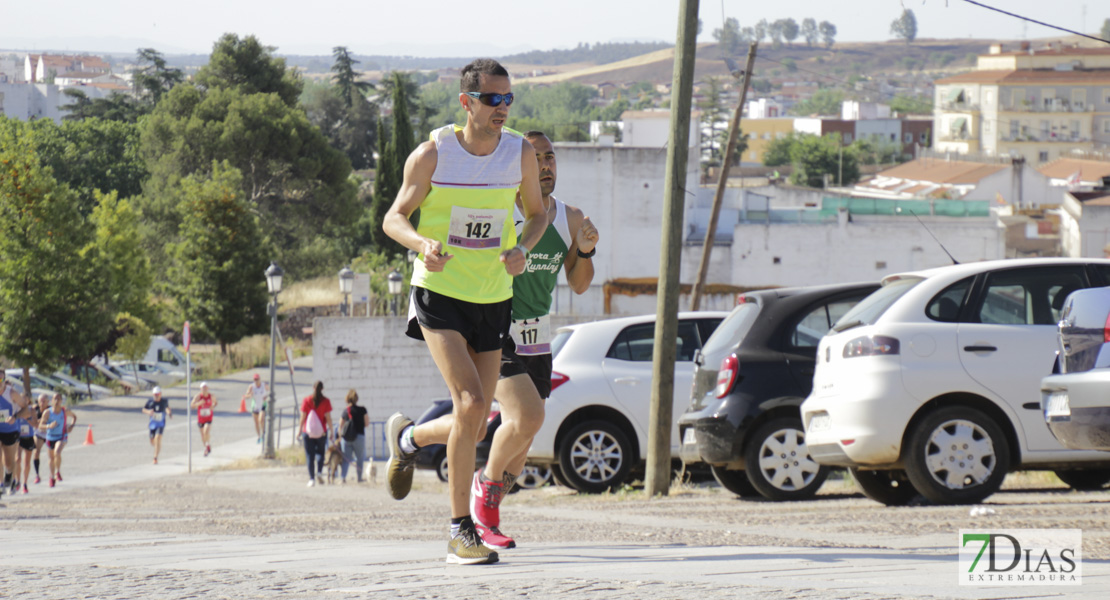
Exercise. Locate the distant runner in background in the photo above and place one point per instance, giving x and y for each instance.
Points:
(158, 408)
(257, 392)
(12, 406)
(205, 406)
(56, 422)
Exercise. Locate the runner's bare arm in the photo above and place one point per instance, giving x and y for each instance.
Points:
(417, 183)
(535, 217)
(579, 271)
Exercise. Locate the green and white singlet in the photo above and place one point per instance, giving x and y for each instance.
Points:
(532, 290)
(470, 210)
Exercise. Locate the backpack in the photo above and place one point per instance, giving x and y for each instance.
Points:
(313, 427)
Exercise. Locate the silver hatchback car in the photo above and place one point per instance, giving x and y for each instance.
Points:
(1076, 402)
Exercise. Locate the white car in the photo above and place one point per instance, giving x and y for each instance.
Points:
(98, 391)
(931, 384)
(595, 428)
(152, 371)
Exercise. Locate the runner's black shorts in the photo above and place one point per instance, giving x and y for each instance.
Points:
(9, 438)
(537, 366)
(27, 443)
(483, 326)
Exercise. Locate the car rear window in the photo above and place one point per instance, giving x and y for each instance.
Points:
(729, 333)
(872, 307)
(559, 341)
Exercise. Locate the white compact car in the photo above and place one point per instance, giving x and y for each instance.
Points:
(595, 429)
(931, 385)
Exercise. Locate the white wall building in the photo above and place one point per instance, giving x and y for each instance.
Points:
(26, 101)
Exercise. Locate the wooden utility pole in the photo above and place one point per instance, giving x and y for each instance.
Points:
(666, 320)
(722, 183)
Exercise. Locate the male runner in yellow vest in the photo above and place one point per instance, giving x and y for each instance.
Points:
(464, 181)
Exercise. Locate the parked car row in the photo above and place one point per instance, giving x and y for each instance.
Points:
(927, 383)
(931, 385)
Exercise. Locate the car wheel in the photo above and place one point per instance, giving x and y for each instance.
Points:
(735, 481)
(441, 465)
(957, 455)
(557, 476)
(532, 477)
(1085, 480)
(891, 488)
(778, 463)
(595, 456)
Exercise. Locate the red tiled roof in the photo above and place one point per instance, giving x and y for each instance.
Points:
(1030, 76)
(1062, 168)
(937, 170)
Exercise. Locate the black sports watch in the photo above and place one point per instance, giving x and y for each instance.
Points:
(589, 254)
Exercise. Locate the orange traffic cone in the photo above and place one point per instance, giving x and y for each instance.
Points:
(88, 438)
(242, 405)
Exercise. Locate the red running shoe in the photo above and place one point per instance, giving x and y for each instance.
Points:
(492, 537)
(37, 480)
(485, 508)
(59, 475)
(51, 482)
(25, 489)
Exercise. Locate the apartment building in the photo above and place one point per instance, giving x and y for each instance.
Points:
(1040, 104)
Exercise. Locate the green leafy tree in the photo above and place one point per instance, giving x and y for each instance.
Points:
(127, 274)
(250, 67)
(828, 33)
(90, 155)
(905, 26)
(351, 130)
(116, 107)
(790, 30)
(134, 340)
(809, 31)
(823, 102)
(50, 285)
(762, 28)
(351, 90)
(815, 157)
(905, 105)
(217, 275)
(774, 31)
(155, 78)
(385, 190)
(244, 109)
(877, 152)
(728, 37)
(713, 112)
(779, 151)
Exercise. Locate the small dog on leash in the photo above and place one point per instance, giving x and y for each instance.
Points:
(333, 459)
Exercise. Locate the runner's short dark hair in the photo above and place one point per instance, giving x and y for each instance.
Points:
(534, 134)
(472, 72)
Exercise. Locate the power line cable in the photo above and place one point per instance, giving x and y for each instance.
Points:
(1049, 25)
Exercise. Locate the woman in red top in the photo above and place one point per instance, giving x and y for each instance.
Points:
(315, 424)
(205, 405)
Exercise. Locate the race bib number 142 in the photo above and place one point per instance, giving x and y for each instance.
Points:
(476, 229)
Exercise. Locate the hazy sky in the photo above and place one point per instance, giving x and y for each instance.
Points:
(470, 28)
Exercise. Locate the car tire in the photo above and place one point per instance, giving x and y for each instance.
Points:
(735, 481)
(532, 477)
(595, 457)
(441, 465)
(957, 455)
(891, 488)
(778, 464)
(557, 476)
(1085, 480)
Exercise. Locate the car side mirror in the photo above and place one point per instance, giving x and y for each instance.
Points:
(698, 358)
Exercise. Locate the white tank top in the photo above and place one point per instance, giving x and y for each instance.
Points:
(259, 392)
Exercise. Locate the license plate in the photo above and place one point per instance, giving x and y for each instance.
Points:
(1058, 405)
(689, 437)
(820, 423)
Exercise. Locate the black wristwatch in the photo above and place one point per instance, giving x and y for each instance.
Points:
(589, 254)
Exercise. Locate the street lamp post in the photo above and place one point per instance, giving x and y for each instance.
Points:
(346, 283)
(394, 279)
(274, 275)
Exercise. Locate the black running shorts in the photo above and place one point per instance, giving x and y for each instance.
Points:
(9, 438)
(536, 366)
(483, 326)
(27, 443)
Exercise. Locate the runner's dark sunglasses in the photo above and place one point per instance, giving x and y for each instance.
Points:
(491, 99)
